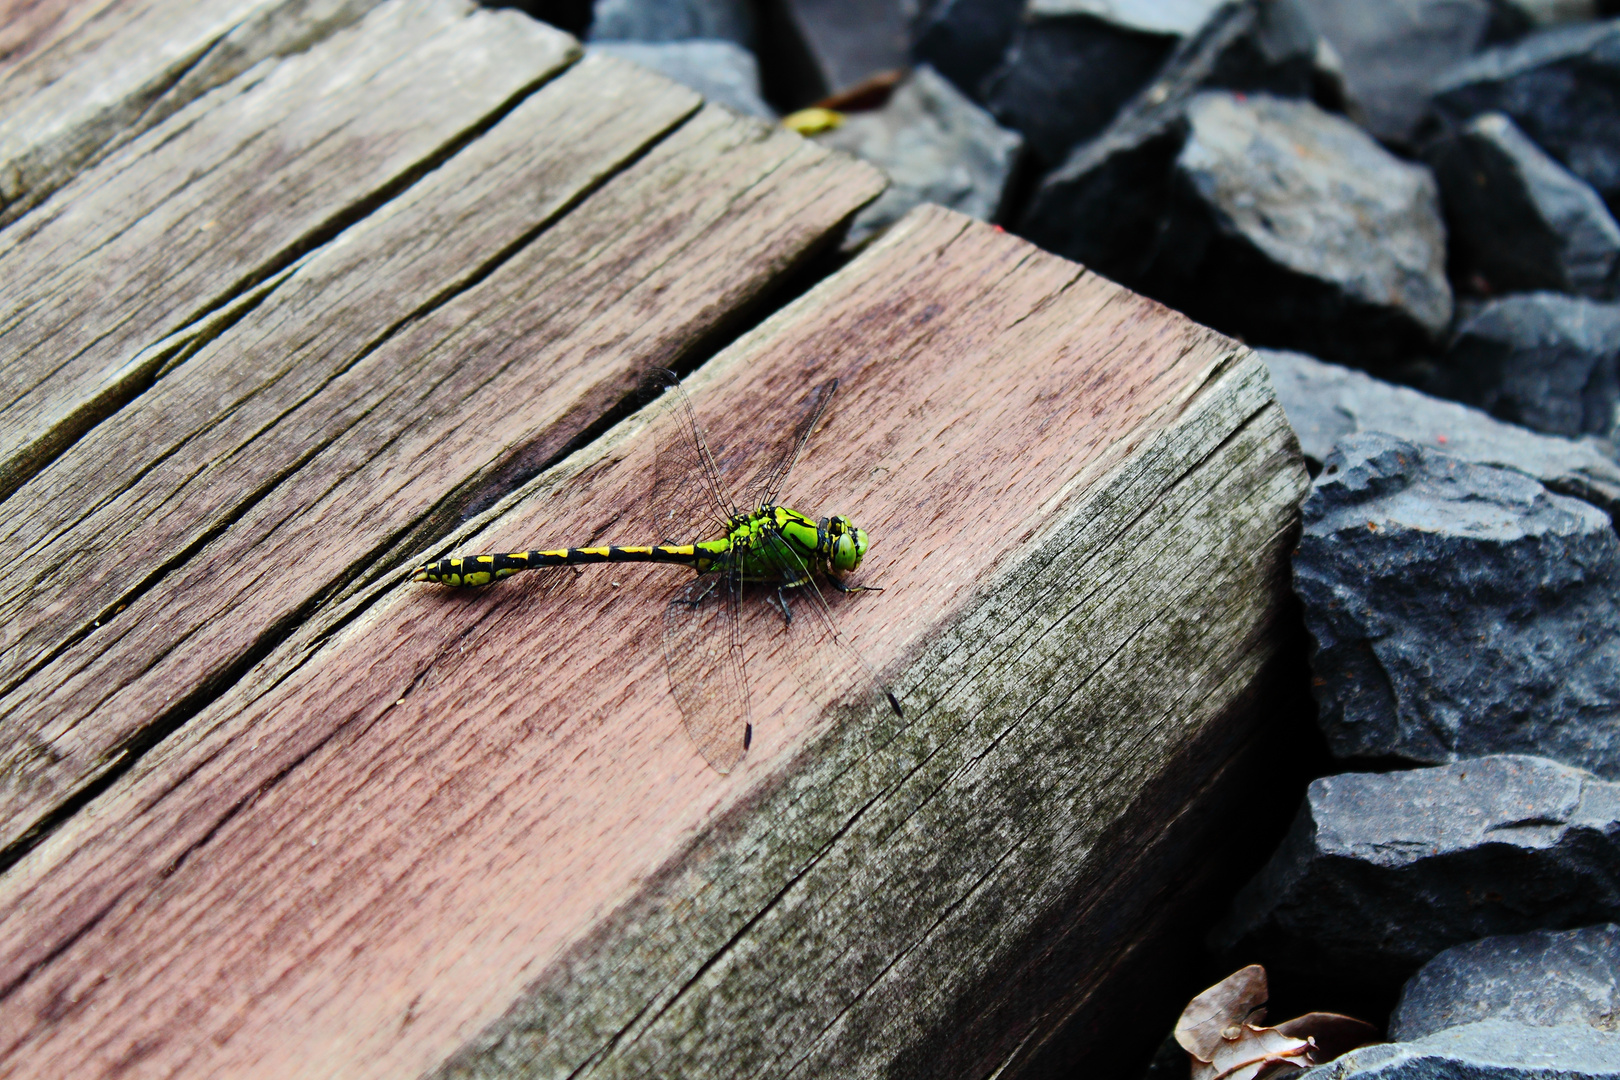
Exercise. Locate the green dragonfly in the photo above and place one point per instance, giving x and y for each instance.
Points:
(754, 545)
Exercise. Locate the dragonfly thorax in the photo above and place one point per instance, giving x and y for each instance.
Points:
(832, 545)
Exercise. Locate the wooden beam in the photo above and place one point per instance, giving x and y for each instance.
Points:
(333, 422)
(469, 833)
(79, 78)
(104, 285)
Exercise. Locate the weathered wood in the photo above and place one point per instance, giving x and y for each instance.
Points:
(482, 814)
(152, 482)
(31, 26)
(274, 485)
(78, 78)
(228, 191)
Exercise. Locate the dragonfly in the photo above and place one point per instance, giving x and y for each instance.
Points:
(753, 545)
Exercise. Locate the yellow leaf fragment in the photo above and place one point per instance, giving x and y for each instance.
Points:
(812, 121)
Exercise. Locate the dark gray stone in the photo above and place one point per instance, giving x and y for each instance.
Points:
(1562, 86)
(1518, 221)
(1065, 77)
(1392, 51)
(573, 16)
(1381, 871)
(1075, 62)
(852, 40)
(1541, 14)
(1513, 19)
(1543, 978)
(673, 20)
(1489, 1050)
(1544, 360)
(1108, 205)
(935, 146)
(1458, 609)
(1263, 217)
(1177, 18)
(721, 71)
(1327, 402)
(964, 40)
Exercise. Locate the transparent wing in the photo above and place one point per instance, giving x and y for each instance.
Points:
(689, 500)
(766, 486)
(829, 668)
(703, 652)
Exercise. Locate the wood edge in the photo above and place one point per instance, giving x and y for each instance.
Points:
(560, 1000)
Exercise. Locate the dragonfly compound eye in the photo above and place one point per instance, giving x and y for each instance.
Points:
(849, 545)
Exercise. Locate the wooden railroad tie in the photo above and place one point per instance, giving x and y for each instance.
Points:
(271, 810)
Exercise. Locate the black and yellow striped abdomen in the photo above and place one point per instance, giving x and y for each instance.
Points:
(483, 569)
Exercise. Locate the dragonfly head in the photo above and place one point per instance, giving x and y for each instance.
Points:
(845, 544)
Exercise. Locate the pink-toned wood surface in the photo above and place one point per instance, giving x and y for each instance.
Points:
(255, 511)
(27, 26)
(433, 822)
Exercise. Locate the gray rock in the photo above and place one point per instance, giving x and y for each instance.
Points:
(1267, 218)
(1075, 62)
(1544, 360)
(1518, 220)
(1542, 978)
(1178, 18)
(1108, 205)
(673, 20)
(1458, 609)
(935, 145)
(1326, 402)
(1392, 51)
(1065, 77)
(1489, 1050)
(1544, 13)
(1381, 871)
(721, 71)
(1562, 86)
(964, 40)
(1351, 227)
(573, 16)
(851, 40)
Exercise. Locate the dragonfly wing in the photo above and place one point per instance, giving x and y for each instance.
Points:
(689, 500)
(766, 487)
(830, 670)
(703, 652)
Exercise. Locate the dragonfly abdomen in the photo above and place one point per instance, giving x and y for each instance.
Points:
(473, 570)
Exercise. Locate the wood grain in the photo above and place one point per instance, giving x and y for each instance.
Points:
(30, 26)
(470, 834)
(152, 482)
(78, 78)
(266, 501)
(226, 192)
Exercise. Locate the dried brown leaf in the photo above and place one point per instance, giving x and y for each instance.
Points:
(1221, 1031)
(1251, 1051)
(1331, 1034)
(1216, 1016)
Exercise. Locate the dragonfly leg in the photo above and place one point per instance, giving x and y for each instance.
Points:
(700, 597)
(781, 602)
(845, 587)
